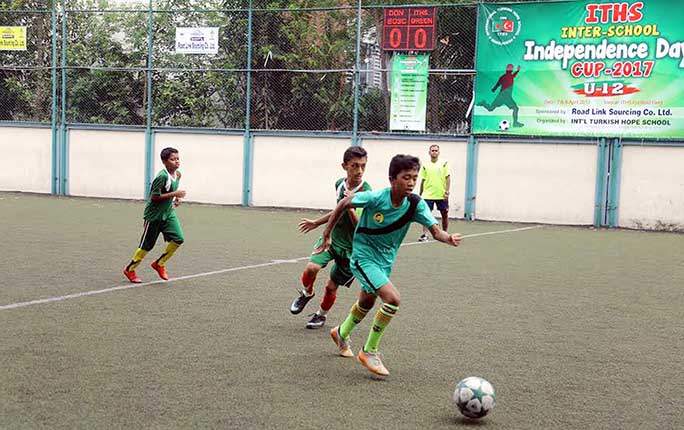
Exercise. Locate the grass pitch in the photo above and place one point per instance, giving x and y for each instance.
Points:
(576, 328)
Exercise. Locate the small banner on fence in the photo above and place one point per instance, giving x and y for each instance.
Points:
(12, 38)
(581, 68)
(409, 92)
(197, 40)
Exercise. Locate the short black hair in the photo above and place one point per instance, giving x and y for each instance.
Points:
(403, 162)
(354, 152)
(166, 153)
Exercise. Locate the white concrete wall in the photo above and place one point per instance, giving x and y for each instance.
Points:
(211, 165)
(536, 183)
(296, 172)
(549, 183)
(652, 188)
(26, 159)
(310, 167)
(107, 163)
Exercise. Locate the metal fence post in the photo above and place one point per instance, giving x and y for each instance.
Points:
(149, 137)
(54, 185)
(601, 182)
(248, 145)
(62, 154)
(471, 179)
(613, 202)
(357, 77)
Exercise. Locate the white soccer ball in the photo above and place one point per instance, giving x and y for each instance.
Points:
(474, 397)
(504, 125)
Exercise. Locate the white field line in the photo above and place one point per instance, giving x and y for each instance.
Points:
(487, 233)
(215, 272)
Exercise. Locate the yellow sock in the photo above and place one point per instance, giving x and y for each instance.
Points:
(168, 252)
(137, 258)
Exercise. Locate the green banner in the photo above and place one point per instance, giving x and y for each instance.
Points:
(409, 92)
(581, 68)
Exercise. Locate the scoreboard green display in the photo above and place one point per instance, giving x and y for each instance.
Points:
(409, 29)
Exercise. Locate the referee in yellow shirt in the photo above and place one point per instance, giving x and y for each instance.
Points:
(434, 187)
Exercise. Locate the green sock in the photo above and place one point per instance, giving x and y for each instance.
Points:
(355, 316)
(382, 318)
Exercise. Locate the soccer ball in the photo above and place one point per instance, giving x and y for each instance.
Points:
(504, 125)
(474, 397)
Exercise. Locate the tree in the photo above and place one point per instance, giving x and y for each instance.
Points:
(301, 60)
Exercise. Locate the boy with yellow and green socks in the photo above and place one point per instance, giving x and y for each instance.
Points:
(160, 217)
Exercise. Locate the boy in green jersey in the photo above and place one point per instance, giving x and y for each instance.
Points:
(160, 217)
(354, 163)
(383, 224)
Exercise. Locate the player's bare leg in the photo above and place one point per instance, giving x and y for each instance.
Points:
(445, 220)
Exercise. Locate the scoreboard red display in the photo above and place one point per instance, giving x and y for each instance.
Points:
(409, 29)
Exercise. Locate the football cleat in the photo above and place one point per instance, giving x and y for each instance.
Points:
(300, 302)
(316, 321)
(372, 362)
(343, 346)
(132, 276)
(161, 270)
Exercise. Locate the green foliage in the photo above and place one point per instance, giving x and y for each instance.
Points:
(303, 59)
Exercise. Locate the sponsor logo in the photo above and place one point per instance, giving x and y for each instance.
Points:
(503, 26)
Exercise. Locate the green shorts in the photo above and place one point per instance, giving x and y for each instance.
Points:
(170, 228)
(371, 275)
(340, 273)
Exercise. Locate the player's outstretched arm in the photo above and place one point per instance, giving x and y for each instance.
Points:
(442, 236)
(335, 215)
(306, 225)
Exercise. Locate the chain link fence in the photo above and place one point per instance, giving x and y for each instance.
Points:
(26, 81)
(298, 73)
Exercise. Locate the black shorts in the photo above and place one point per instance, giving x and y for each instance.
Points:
(442, 205)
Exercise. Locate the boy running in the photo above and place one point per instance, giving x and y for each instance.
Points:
(354, 163)
(382, 226)
(160, 217)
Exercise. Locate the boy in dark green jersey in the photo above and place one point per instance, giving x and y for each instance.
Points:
(354, 163)
(160, 217)
(382, 226)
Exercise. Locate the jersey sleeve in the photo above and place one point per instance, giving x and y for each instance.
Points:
(158, 185)
(365, 187)
(424, 215)
(363, 199)
(447, 169)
